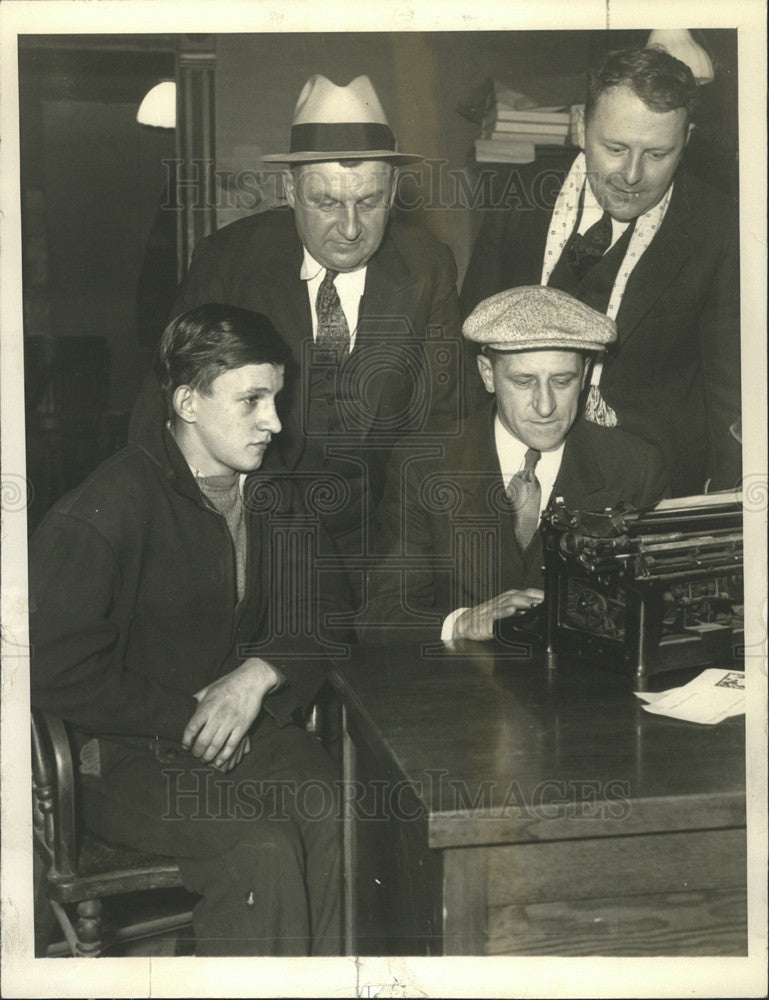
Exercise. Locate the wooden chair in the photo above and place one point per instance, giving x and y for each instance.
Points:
(76, 870)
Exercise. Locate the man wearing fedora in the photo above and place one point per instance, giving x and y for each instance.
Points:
(367, 304)
(458, 534)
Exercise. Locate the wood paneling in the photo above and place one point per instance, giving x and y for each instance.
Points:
(587, 869)
(691, 923)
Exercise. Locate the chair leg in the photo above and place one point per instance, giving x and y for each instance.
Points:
(88, 928)
(45, 918)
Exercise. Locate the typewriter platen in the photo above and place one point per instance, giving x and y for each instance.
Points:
(646, 591)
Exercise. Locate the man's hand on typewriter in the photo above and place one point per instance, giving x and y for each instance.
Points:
(478, 623)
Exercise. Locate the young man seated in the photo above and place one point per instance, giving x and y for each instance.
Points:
(458, 532)
(155, 591)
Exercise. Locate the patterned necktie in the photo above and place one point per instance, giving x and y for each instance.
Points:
(333, 337)
(525, 494)
(589, 247)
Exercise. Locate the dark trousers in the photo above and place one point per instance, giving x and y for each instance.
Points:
(261, 844)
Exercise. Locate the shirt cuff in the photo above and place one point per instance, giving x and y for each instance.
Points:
(447, 631)
(281, 680)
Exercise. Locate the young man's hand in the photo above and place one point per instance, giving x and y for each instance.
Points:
(478, 623)
(226, 710)
(241, 750)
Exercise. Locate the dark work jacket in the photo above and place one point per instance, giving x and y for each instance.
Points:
(446, 531)
(673, 377)
(133, 599)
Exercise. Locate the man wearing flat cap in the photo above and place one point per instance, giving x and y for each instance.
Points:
(458, 534)
(631, 232)
(367, 304)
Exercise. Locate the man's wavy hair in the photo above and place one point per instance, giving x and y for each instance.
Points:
(202, 343)
(661, 81)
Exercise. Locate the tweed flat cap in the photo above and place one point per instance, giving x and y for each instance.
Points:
(534, 317)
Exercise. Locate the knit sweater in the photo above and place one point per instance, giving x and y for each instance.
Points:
(225, 495)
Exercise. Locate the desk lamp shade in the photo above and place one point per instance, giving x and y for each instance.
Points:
(679, 43)
(159, 106)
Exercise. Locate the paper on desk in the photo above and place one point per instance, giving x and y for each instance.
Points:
(708, 699)
(652, 695)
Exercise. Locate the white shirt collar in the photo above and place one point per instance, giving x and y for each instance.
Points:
(592, 212)
(310, 267)
(512, 452)
(311, 270)
(349, 286)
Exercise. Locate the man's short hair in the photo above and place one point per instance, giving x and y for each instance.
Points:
(661, 81)
(202, 343)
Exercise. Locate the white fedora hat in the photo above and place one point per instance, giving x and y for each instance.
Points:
(340, 123)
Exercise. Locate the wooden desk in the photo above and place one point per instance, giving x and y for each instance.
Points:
(496, 808)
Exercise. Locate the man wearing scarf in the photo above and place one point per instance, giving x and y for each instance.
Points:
(635, 236)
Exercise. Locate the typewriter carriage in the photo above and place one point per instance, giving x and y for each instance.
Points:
(645, 591)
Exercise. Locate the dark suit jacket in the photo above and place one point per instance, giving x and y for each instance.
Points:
(445, 528)
(409, 310)
(674, 375)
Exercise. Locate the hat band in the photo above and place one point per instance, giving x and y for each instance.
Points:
(341, 137)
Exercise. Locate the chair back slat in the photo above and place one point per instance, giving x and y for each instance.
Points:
(54, 779)
(43, 791)
(79, 869)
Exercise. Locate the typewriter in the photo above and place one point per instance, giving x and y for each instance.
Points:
(645, 591)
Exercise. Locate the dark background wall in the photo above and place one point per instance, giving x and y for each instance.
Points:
(91, 184)
(92, 180)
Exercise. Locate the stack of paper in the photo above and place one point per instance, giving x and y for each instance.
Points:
(515, 124)
(545, 126)
(508, 151)
(708, 699)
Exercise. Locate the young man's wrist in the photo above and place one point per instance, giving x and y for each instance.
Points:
(267, 674)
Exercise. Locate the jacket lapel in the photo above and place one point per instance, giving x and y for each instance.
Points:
(580, 475)
(387, 299)
(258, 567)
(387, 276)
(287, 295)
(653, 273)
(288, 305)
(485, 501)
(533, 230)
